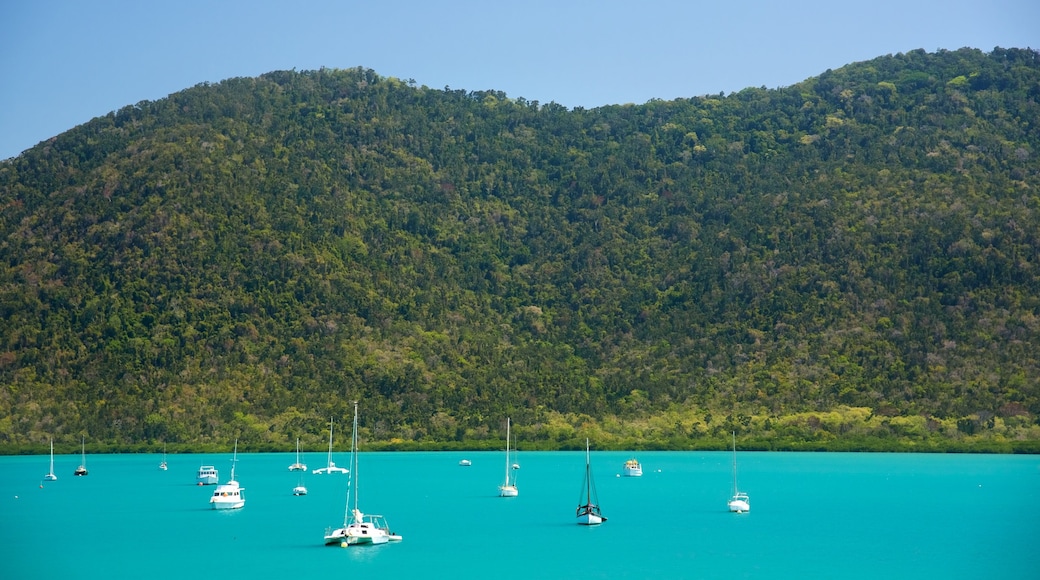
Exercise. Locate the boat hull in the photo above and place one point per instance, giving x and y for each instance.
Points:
(50, 477)
(300, 490)
(298, 467)
(590, 520)
(739, 506)
(508, 491)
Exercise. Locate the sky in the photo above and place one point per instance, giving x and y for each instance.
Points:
(64, 62)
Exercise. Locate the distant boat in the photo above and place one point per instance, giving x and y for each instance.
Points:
(588, 504)
(740, 502)
(508, 487)
(50, 474)
(358, 529)
(300, 489)
(465, 463)
(331, 467)
(298, 466)
(82, 469)
(163, 465)
(207, 475)
(229, 496)
(632, 469)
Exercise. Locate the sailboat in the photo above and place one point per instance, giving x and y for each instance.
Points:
(740, 502)
(82, 469)
(358, 529)
(50, 474)
(298, 466)
(163, 466)
(508, 488)
(228, 496)
(588, 504)
(300, 489)
(331, 467)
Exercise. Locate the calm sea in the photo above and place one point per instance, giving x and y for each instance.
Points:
(826, 515)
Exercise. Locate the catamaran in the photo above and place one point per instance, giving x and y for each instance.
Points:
(331, 467)
(588, 504)
(50, 474)
(508, 487)
(299, 466)
(163, 466)
(229, 496)
(358, 529)
(740, 502)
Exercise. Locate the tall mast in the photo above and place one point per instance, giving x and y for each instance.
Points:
(734, 463)
(507, 451)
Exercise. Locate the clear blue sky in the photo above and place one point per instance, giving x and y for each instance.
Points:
(65, 62)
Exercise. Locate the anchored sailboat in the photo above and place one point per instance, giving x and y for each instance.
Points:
(358, 529)
(588, 504)
(331, 467)
(82, 469)
(508, 487)
(740, 502)
(50, 474)
(300, 466)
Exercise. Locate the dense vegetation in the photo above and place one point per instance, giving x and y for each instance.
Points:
(852, 262)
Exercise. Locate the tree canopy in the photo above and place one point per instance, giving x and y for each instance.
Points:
(849, 262)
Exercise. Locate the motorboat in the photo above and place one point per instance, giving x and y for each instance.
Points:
(299, 465)
(207, 475)
(632, 469)
(465, 463)
(359, 529)
(229, 496)
(508, 487)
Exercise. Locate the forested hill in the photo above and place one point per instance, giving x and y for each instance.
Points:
(849, 262)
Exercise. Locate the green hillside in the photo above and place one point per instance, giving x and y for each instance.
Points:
(852, 262)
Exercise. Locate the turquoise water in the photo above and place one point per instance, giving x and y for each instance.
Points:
(833, 515)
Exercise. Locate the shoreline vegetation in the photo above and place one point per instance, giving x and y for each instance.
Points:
(845, 429)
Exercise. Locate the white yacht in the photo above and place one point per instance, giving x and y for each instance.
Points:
(50, 474)
(588, 511)
(298, 466)
(632, 469)
(300, 489)
(162, 465)
(508, 487)
(465, 463)
(82, 469)
(331, 467)
(229, 496)
(207, 475)
(358, 529)
(740, 502)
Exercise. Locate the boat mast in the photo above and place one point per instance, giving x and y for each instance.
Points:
(234, 460)
(588, 475)
(354, 459)
(734, 463)
(329, 462)
(52, 457)
(507, 452)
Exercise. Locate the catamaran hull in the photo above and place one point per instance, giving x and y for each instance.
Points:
(738, 506)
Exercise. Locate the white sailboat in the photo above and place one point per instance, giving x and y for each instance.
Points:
(50, 474)
(163, 466)
(229, 496)
(358, 529)
(508, 487)
(331, 467)
(300, 489)
(300, 466)
(739, 503)
(82, 469)
(588, 504)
